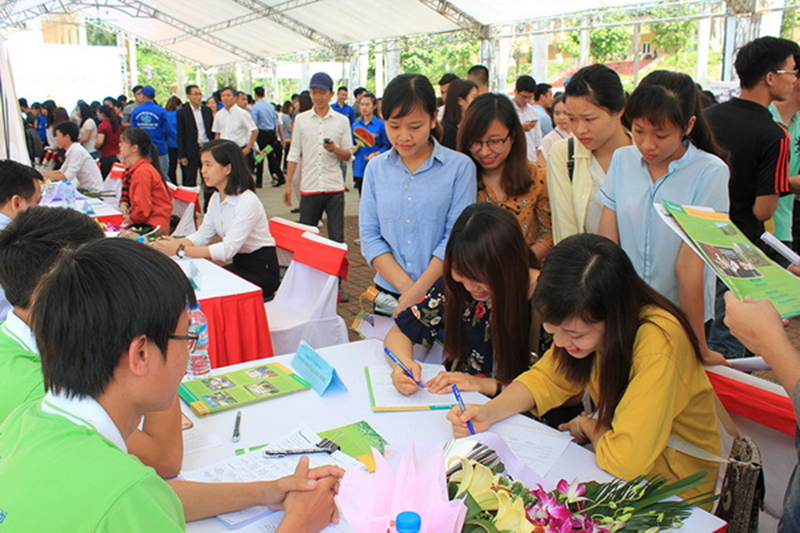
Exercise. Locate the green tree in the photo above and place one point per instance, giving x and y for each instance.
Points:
(98, 37)
(434, 55)
(605, 44)
(157, 70)
(790, 20)
(674, 36)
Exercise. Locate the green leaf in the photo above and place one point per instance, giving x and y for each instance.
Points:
(480, 526)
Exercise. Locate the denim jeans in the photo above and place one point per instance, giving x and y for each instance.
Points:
(719, 337)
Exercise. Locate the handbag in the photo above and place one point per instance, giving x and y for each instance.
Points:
(741, 495)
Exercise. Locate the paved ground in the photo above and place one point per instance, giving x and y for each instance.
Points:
(361, 274)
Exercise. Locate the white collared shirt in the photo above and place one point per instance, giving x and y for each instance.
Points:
(202, 136)
(81, 169)
(241, 222)
(234, 124)
(84, 412)
(17, 329)
(321, 170)
(534, 136)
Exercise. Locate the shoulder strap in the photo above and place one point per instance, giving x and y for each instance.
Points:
(571, 157)
(699, 453)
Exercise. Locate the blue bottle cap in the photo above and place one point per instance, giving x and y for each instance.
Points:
(408, 522)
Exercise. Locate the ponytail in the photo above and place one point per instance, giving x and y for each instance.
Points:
(139, 137)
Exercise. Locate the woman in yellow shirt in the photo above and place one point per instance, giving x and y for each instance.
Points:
(633, 350)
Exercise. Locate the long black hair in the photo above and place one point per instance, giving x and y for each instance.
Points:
(139, 137)
(665, 96)
(590, 277)
(600, 85)
(486, 245)
(226, 153)
(407, 92)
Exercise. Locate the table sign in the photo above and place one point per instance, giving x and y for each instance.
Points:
(314, 369)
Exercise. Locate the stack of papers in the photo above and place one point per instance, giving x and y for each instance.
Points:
(384, 397)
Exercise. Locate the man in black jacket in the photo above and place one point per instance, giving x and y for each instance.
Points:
(194, 129)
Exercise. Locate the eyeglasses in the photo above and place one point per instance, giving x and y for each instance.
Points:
(495, 145)
(794, 73)
(525, 96)
(191, 340)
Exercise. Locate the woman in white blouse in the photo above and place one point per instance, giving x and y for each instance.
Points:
(234, 213)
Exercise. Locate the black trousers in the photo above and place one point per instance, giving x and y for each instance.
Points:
(172, 172)
(106, 163)
(189, 171)
(259, 267)
(269, 138)
(332, 204)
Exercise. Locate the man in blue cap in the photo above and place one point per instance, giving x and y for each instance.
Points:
(152, 118)
(320, 140)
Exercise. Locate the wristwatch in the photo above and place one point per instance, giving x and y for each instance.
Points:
(181, 251)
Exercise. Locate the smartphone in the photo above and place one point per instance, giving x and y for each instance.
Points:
(327, 140)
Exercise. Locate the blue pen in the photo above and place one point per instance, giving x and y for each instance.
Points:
(399, 363)
(463, 408)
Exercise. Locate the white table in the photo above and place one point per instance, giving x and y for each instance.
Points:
(237, 318)
(269, 420)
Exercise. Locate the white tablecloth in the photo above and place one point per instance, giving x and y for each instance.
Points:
(269, 420)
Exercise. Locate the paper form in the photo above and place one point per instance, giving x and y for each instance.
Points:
(535, 444)
(385, 397)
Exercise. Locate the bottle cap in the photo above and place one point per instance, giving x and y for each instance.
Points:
(408, 522)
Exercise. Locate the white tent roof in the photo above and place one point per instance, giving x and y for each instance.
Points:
(215, 32)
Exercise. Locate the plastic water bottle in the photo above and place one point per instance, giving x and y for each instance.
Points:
(408, 522)
(68, 194)
(199, 362)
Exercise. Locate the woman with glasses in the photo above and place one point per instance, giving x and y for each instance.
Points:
(491, 134)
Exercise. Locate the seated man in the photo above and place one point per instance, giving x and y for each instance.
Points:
(78, 167)
(19, 190)
(29, 247)
(112, 327)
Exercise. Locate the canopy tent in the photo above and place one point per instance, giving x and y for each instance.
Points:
(217, 32)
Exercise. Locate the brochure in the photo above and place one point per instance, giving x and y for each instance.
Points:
(739, 263)
(240, 387)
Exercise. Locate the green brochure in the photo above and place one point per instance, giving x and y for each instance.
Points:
(240, 387)
(739, 263)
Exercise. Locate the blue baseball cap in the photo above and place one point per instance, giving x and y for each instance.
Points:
(320, 80)
(148, 91)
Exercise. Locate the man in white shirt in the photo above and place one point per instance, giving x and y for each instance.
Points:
(78, 167)
(525, 90)
(320, 140)
(19, 190)
(235, 124)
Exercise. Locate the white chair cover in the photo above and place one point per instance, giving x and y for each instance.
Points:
(304, 307)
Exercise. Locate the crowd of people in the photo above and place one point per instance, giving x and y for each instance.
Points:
(519, 230)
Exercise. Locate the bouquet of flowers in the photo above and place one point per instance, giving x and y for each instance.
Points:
(498, 504)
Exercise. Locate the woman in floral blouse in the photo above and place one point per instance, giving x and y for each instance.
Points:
(492, 136)
(482, 301)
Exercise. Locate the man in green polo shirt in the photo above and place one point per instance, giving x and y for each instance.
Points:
(112, 328)
(785, 113)
(28, 248)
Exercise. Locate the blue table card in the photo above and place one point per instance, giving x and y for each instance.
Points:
(316, 370)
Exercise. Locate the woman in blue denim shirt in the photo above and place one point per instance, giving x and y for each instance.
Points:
(412, 194)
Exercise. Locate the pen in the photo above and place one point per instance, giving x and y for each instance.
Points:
(236, 434)
(463, 408)
(397, 360)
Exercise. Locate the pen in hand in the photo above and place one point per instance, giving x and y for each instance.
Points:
(402, 365)
(463, 408)
(236, 425)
